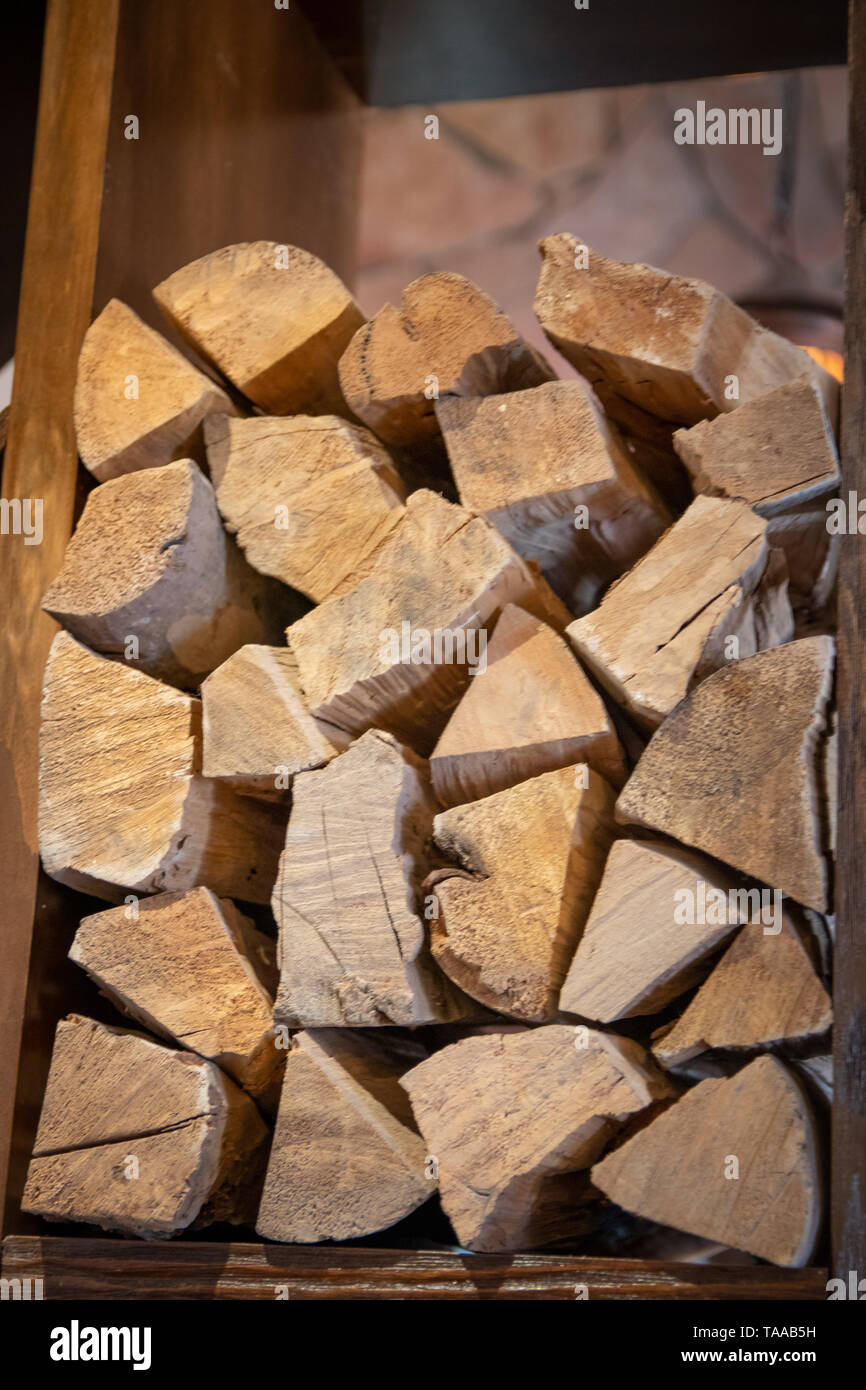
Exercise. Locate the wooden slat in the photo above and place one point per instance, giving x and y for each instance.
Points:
(849, 1109)
(40, 459)
(111, 1269)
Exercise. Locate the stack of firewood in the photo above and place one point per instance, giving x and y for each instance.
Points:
(511, 696)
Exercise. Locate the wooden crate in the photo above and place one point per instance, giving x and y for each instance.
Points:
(262, 139)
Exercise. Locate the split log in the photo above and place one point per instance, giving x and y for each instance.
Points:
(531, 710)
(510, 1117)
(191, 969)
(138, 402)
(685, 909)
(150, 575)
(346, 1158)
(448, 338)
(665, 624)
(554, 477)
(122, 805)
(735, 1160)
(257, 732)
(532, 856)
(274, 319)
(733, 770)
(394, 653)
(778, 454)
(310, 498)
(763, 991)
(669, 345)
(818, 1074)
(140, 1139)
(352, 947)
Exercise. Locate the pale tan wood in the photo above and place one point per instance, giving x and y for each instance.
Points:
(763, 991)
(346, 1158)
(448, 338)
(274, 319)
(138, 402)
(532, 710)
(140, 1139)
(818, 1072)
(778, 454)
(257, 731)
(310, 498)
(638, 952)
(530, 461)
(665, 623)
(441, 571)
(664, 343)
(674, 1171)
(189, 968)
(831, 781)
(510, 1117)
(352, 947)
(531, 859)
(122, 804)
(150, 561)
(733, 770)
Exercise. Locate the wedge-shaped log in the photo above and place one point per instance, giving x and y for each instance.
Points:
(733, 771)
(151, 575)
(274, 319)
(664, 625)
(659, 913)
(138, 402)
(394, 653)
(763, 991)
(122, 804)
(192, 969)
(510, 1117)
(735, 1160)
(448, 338)
(677, 348)
(346, 1158)
(778, 454)
(352, 948)
(310, 498)
(257, 730)
(556, 479)
(506, 927)
(532, 710)
(140, 1139)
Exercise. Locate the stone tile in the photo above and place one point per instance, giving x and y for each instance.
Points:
(539, 134)
(709, 251)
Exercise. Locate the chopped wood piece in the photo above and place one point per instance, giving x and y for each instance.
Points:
(395, 652)
(664, 343)
(150, 561)
(665, 623)
(533, 854)
(733, 770)
(735, 1160)
(448, 338)
(187, 966)
(346, 1158)
(550, 473)
(352, 948)
(257, 730)
(274, 319)
(140, 1139)
(532, 710)
(507, 1116)
(762, 991)
(310, 498)
(138, 402)
(658, 915)
(830, 761)
(121, 802)
(818, 1073)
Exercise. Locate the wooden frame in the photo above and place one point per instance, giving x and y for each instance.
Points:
(97, 228)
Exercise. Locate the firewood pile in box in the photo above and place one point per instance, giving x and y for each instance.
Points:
(510, 698)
